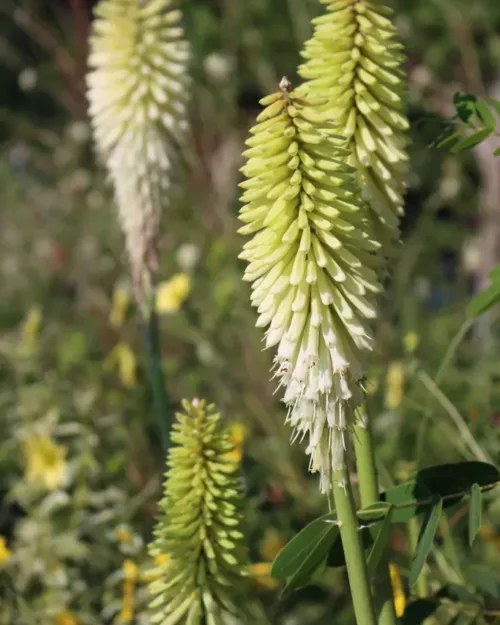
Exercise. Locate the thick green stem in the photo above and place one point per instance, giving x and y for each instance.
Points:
(353, 550)
(156, 375)
(368, 488)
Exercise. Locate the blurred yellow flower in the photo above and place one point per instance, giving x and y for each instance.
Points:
(162, 559)
(119, 307)
(130, 574)
(237, 434)
(394, 386)
(5, 552)
(170, 295)
(123, 534)
(44, 461)
(411, 341)
(261, 573)
(404, 470)
(271, 545)
(65, 618)
(397, 588)
(31, 329)
(490, 536)
(123, 357)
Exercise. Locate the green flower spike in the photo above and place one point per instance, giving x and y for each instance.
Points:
(314, 269)
(353, 61)
(137, 90)
(200, 525)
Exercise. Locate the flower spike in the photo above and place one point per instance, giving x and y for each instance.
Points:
(313, 264)
(199, 545)
(353, 61)
(137, 89)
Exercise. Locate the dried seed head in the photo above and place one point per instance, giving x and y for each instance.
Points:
(353, 62)
(137, 92)
(313, 266)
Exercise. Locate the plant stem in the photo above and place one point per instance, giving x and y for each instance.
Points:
(353, 550)
(413, 535)
(368, 488)
(156, 375)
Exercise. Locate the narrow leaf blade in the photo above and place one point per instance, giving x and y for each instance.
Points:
(380, 544)
(426, 539)
(475, 512)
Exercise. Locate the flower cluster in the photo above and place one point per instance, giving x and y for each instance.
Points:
(313, 265)
(137, 91)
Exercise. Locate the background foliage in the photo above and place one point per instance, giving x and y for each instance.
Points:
(80, 459)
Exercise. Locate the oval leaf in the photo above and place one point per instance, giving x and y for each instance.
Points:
(418, 611)
(424, 545)
(475, 512)
(484, 300)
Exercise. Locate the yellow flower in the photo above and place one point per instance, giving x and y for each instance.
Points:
(261, 573)
(490, 536)
(5, 552)
(44, 461)
(119, 307)
(31, 329)
(411, 341)
(131, 575)
(395, 381)
(124, 359)
(162, 559)
(237, 435)
(171, 295)
(397, 587)
(123, 534)
(271, 545)
(404, 470)
(65, 618)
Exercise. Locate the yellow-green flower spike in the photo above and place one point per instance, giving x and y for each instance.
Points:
(198, 534)
(313, 265)
(137, 90)
(353, 61)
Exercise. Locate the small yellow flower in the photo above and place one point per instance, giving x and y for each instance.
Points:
(271, 545)
(170, 295)
(404, 470)
(490, 536)
(119, 307)
(395, 381)
(124, 359)
(411, 341)
(261, 573)
(31, 329)
(397, 587)
(65, 618)
(131, 575)
(237, 435)
(5, 552)
(44, 461)
(162, 559)
(123, 534)
(130, 570)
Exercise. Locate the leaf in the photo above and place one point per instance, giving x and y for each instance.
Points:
(494, 274)
(495, 104)
(424, 545)
(306, 551)
(471, 140)
(465, 105)
(487, 117)
(374, 512)
(442, 479)
(380, 544)
(459, 594)
(485, 580)
(418, 611)
(484, 300)
(407, 500)
(475, 512)
(496, 152)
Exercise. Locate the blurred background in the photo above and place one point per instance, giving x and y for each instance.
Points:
(80, 461)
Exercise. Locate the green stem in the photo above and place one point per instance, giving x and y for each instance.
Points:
(368, 488)
(413, 535)
(156, 375)
(353, 550)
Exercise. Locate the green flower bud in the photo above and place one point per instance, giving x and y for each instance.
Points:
(137, 92)
(199, 528)
(353, 61)
(313, 266)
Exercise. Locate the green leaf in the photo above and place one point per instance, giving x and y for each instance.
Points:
(485, 114)
(496, 152)
(484, 300)
(485, 579)
(458, 594)
(495, 104)
(475, 512)
(444, 479)
(407, 500)
(374, 512)
(471, 140)
(306, 551)
(426, 539)
(494, 274)
(418, 611)
(465, 105)
(380, 544)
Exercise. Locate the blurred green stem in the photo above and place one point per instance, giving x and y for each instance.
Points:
(413, 535)
(156, 374)
(357, 570)
(368, 488)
